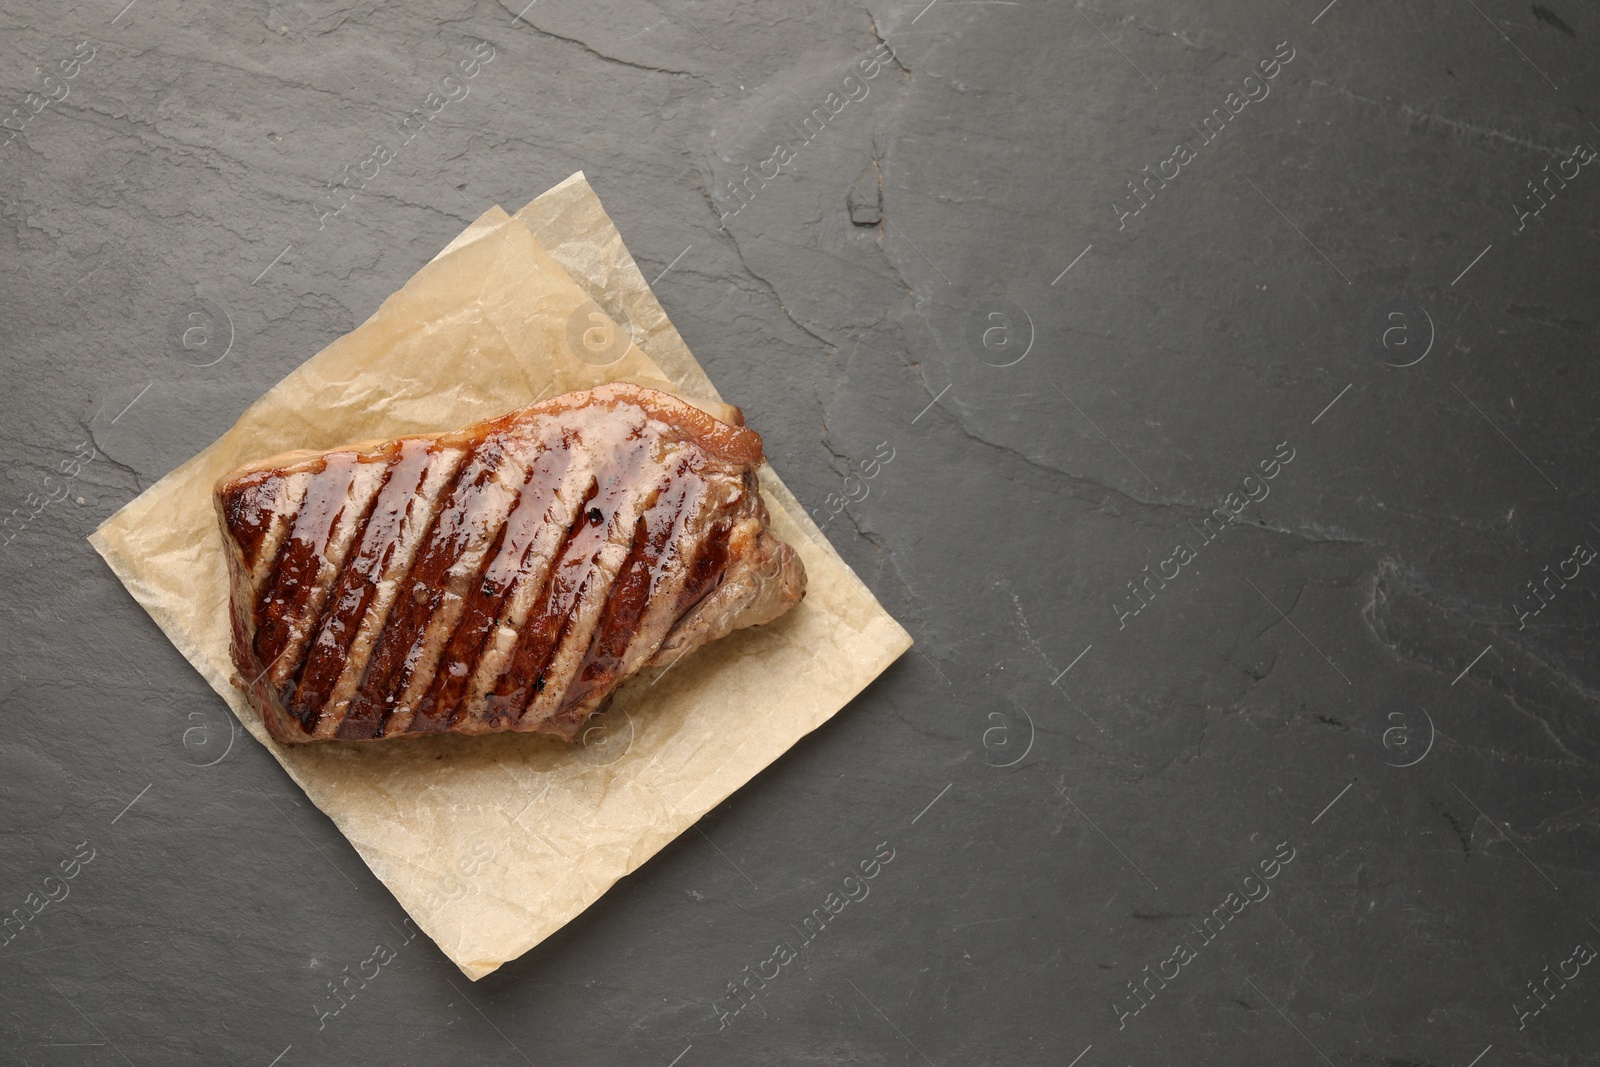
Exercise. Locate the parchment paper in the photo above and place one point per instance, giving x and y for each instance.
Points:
(494, 843)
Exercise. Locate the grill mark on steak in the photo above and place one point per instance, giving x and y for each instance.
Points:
(425, 714)
(482, 520)
(335, 507)
(478, 505)
(258, 512)
(356, 584)
(441, 707)
(366, 714)
(262, 509)
(532, 590)
(707, 568)
(624, 609)
(525, 675)
(341, 541)
(444, 466)
(301, 555)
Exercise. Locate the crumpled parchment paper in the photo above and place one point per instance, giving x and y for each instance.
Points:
(494, 843)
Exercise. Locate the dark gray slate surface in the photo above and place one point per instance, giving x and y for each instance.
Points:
(1068, 788)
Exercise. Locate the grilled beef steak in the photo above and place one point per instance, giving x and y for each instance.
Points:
(507, 576)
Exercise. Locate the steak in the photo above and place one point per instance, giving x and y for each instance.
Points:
(505, 576)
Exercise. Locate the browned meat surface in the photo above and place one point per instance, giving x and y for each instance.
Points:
(506, 576)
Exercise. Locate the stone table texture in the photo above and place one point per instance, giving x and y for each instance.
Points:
(1209, 388)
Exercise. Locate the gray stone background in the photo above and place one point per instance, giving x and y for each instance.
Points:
(1382, 668)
